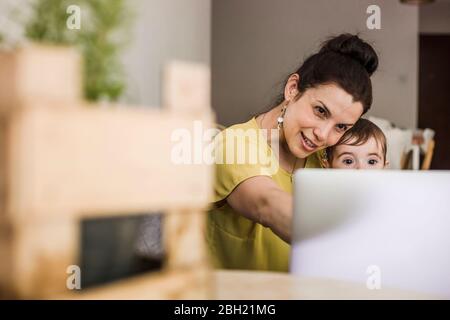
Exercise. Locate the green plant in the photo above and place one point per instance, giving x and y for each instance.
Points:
(104, 28)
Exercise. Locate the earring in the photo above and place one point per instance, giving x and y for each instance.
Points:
(281, 117)
(323, 158)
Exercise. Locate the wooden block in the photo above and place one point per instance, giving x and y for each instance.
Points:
(4, 165)
(184, 238)
(37, 256)
(187, 88)
(6, 263)
(96, 162)
(62, 162)
(39, 73)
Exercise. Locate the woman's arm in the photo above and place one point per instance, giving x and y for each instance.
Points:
(261, 200)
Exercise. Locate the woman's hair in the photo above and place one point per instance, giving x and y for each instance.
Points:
(345, 60)
(358, 135)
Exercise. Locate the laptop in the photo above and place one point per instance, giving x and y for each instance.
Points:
(384, 228)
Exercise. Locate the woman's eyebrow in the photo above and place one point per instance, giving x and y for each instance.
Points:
(328, 112)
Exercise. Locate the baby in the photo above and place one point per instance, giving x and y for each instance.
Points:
(361, 147)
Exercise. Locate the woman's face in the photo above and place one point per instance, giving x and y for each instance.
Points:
(318, 118)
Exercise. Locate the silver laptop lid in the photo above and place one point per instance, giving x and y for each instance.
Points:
(354, 224)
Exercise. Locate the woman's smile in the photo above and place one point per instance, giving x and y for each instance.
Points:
(307, 144)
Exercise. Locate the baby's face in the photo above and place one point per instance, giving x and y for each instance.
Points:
(366, 156)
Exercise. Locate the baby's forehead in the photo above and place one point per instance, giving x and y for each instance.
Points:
(372, 145)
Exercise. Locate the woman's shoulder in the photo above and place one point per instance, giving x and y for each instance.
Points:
(251, 123)
(245, 133)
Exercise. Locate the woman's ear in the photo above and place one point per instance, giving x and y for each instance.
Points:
(386, 164)
(291, 88)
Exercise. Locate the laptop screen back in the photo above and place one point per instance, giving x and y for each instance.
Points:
(350, 224)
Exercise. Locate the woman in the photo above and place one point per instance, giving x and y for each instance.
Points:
(249, 226)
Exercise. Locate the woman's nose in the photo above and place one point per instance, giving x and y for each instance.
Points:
(322, 133)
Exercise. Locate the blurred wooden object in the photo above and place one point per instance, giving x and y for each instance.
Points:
(63, 161)
(44, 74)
(408, 157)
(428, 155)
(405, 160)
(251, 285)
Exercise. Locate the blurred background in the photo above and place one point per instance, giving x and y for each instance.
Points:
(251, 47)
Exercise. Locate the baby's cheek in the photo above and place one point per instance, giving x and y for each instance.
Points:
(337, 165)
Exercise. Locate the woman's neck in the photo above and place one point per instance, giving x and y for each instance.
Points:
(269, 121)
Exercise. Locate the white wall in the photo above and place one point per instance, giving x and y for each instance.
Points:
(164, 30)
(256, 43)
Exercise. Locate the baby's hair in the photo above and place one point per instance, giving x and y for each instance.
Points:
(358, 135)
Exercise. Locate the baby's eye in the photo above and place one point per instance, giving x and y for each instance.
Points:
(373, 162)
(348, 161)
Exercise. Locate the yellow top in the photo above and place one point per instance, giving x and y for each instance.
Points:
(236, 242)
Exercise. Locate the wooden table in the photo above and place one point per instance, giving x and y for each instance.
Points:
(252, 285)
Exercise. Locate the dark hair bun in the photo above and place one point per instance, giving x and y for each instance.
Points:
(354, 47)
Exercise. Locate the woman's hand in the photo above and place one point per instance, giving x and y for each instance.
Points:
(260, 199)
